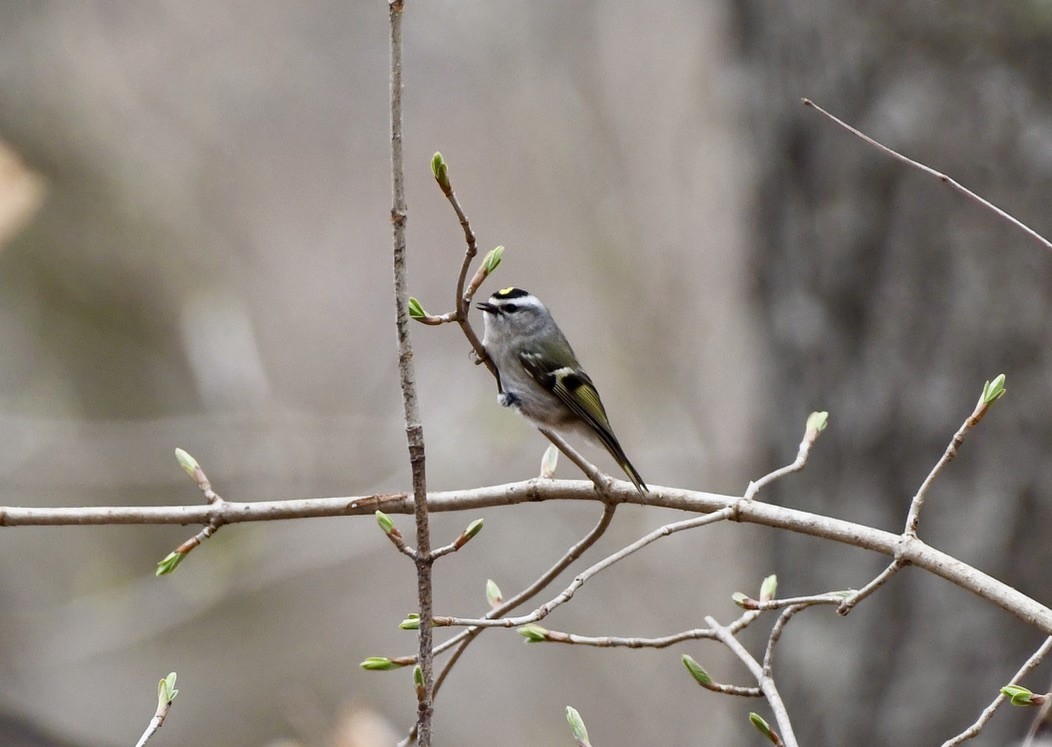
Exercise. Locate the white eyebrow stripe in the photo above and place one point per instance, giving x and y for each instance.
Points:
(531, 301)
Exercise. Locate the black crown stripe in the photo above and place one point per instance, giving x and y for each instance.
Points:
(510, 293)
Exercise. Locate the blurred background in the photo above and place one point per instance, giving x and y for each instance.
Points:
(195, 252)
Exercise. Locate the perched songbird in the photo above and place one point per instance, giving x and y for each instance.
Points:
(540, 375)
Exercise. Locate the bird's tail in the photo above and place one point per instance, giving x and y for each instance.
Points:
(621, 458)
(633, 475)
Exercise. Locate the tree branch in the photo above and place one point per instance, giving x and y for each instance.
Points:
(915, 551)
(954, 185)
(763, 679)
(988, 712)
(464, 638)
(414, 430)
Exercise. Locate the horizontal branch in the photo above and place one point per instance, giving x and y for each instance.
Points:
(911, 550)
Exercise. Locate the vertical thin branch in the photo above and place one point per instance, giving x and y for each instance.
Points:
(413, 429)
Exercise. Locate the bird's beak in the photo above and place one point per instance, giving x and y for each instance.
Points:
(487, 307)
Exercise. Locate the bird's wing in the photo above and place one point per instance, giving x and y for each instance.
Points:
(573, 388)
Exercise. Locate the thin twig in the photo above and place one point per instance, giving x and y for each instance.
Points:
(607, 641)
(197, 474)
(166, 693)
(399, 542)
(741, 691)
(778, 627)
(917, 503)
(574, 553)
(462, 539)
(464, 638)
(988, 712)
(913, 517)
(567, 594)
(803, 451)
(766, 682)
(414, 430)
(956, 186)
(777, 604)
(849, 604)
(602, 482)
(462, 298)
(463, 306)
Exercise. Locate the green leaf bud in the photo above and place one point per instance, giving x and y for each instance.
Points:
(994, 390)
(170, 563)
(764, 728)
(473, 528)
(440, 171)
(166, 691)
(492, 259)
(379, 664)
(187, 462)
(493, 593)
(533, 633)
(385, 522)
(696, 671)
(573, 718)
(769, 588)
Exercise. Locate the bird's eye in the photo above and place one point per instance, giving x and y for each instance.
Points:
(511, 308)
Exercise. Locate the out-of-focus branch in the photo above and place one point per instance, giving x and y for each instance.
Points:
(952, 184)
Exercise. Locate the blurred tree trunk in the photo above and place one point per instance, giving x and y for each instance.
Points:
(888, 300)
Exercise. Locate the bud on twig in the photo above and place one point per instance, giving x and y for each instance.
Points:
(418, 683)
(187, 462)
(577, 727)
(381, 664)
(473, 528)
(166, 691)
(549, 462)
(170, 563)
(493, 594)
(440, 171)
(1022, 696)
(769, 588)
(764, 728)
(533, 633)
(993, 390)
(696, 671)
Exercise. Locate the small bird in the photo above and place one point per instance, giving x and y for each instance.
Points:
(539, 373)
